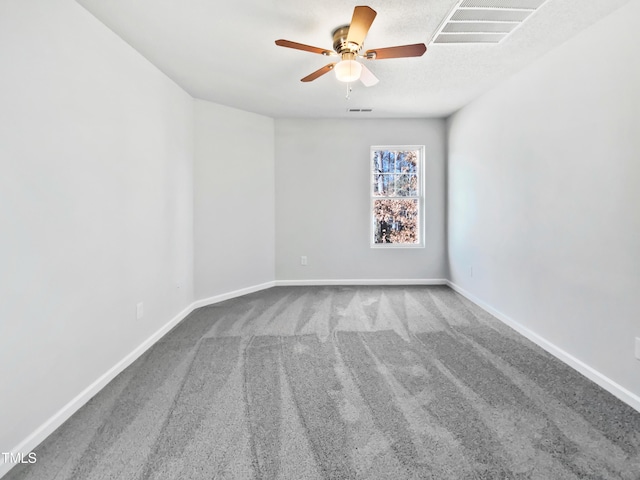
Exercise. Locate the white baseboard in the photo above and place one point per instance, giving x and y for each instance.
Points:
(62, 415)
(48, 427)
(591, 373)
(33, 440)
(236, 293)
(366, 281)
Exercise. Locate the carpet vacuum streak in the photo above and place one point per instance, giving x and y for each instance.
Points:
(344, 383)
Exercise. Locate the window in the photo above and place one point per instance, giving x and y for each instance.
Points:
(396, 196)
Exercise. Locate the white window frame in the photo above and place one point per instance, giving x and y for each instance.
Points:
(420, 197)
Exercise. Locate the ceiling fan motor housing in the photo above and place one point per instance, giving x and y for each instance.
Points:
(340, 44)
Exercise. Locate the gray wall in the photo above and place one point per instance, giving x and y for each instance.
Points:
(233, 200)
(322, 200)
(96, 151)
(544, 199)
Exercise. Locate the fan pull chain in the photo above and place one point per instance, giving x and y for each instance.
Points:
(348, 91)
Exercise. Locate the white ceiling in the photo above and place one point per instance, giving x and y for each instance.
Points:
(224, 51)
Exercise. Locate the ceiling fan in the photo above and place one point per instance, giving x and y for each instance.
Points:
(347, 43)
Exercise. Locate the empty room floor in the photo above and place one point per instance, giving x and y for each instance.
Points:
(345, 382)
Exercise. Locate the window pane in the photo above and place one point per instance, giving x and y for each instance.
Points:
(378, 185)
(377, 161)
(395, 221)
(406, 185)
(383, 185)
(407, 162)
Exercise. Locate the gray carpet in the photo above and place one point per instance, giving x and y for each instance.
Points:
(345, 382)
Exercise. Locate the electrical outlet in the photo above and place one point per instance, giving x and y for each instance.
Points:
(303, 260)
(638, 348)
(140, 310)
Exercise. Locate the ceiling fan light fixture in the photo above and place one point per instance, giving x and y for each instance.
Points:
(348, 70)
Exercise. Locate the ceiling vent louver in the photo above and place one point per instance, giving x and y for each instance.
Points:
(484, 21)
(521, 4)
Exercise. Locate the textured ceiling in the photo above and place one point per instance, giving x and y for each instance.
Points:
(225, 52)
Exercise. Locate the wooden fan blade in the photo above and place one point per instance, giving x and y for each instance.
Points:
(367, 77)
(415, 50)
(360, 24)
(318, 73)
(302, 46)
